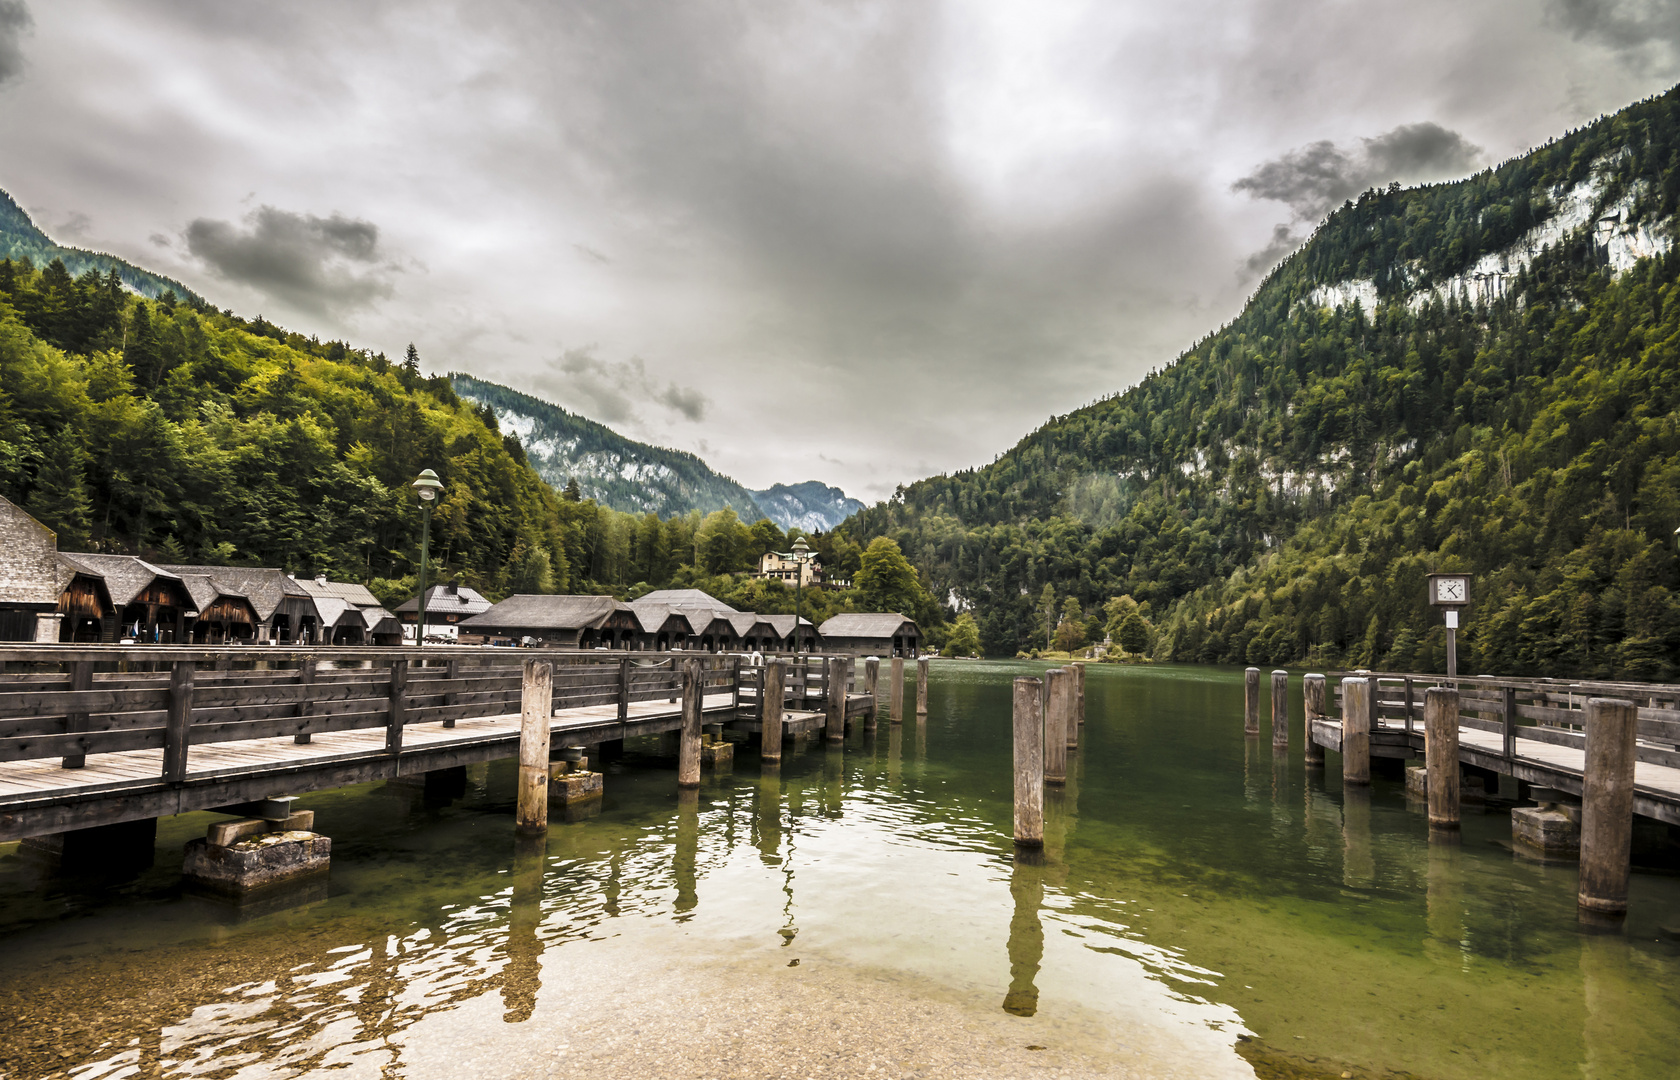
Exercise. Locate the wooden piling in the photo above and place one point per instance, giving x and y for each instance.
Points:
(871, 679)
(1607, 805)
(1058, 701)
(1312, 708)
(770, 712)
(1440, 747)
(1029, 763)
(178, 721)
(306, 707)
(1251, 701)
(1356, 731)
(396, 712)
(895, 695)
(688, 742)
(1078, 704)
(1280, 710)
(536, 711)
(921, 685)
(836, 725)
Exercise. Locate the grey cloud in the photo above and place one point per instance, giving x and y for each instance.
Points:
(1314, 178)
(1629, 26)
(15, 21)
(613, 393)
(326, 265)
(1284, 240)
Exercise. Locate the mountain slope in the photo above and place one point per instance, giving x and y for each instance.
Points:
(20, 239)
(627, 475)
(812, 506)
(1480, 376)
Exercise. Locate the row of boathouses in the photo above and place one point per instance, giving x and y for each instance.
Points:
(74, 597)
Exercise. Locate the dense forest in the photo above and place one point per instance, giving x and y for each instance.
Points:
(173, 431)
(1278, 494)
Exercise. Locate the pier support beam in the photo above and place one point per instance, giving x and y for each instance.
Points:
(688, 742)
(1251, 701)
(895, 693)
(1029, 762)
(1280, 710)
(835, 727)
(1078, 704)
(536, 710)
(1312, 708)
(1607, 806)
(1058, 697)
(871, 680)
(126, 847)
(1440, 748)
(1356, 731)
(770, 714)
(921, 686)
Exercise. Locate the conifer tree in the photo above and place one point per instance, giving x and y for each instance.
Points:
(61, 499)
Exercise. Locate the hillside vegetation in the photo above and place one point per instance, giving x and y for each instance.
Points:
(1278, 494)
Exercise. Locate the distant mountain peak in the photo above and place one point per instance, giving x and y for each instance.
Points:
(812, 506)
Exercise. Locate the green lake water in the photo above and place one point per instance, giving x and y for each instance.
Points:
(1199, 899)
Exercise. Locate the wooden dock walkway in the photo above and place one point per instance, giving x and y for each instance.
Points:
(1533, 730)
(94, 736)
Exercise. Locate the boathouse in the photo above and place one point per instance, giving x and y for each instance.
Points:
(872, 634)
(29, 575)
(567, 622)
(152, 606)
(661, 627)
(790, 640)
(446, 607)
(84, 604)
(285, 611)
(363, 621)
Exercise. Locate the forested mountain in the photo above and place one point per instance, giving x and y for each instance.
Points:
(627, 475)
(20, 239)
(812, 506)
(1478, 376)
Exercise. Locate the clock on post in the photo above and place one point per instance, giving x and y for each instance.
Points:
(1449, 590)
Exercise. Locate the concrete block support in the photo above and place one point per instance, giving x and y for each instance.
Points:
(255, 861)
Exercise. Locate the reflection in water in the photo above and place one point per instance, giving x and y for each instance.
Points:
(1359, 869)
(523, 976)
(767, 821)
(1253, 770)
(687, 850)
(1607, 1051)
(895, 755)
(1026, 932)
(1445, 897)
(921, 738)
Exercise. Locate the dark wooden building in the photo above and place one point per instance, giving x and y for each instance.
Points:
(872, 634)
(29, 577)
(152, 605)
(580, 622)
(447, 606)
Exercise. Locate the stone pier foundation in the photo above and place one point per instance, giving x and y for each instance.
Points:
(236, 858)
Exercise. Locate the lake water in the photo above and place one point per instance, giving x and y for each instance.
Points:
(1202, 908)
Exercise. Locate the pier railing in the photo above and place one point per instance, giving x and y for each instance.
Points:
(1541, 710)
(71, 702)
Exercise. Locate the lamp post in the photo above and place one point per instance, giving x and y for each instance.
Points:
(426, 485)
(801, 556)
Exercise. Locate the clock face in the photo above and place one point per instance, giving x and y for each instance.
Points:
(1451, 590)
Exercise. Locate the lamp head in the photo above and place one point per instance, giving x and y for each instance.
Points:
(427, 486)
(801, 550)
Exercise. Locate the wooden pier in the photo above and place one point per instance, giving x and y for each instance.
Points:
(1531, 729)
(100, 735)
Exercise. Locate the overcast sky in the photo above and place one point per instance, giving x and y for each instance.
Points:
(851, 241)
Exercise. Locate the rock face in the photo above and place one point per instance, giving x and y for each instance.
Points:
(256, 862)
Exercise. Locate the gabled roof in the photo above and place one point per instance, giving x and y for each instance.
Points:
(783, 624)
(265, 587)
(653, 617)
(746, 622)
(125, 575)
(335, 611)
(354, 594)
(380, 621)
(866, 624)
(205, 591)
(538, 612)
(29, 573)
(686, 598)
(446, 600)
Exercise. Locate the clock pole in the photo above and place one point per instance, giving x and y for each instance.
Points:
(1450, 592)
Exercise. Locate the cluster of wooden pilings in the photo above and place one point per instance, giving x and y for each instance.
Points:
(1606, 780)
(538, 776)
(1048, 713)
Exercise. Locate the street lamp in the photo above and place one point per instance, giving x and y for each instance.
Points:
(426, 485)
(801, 556)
